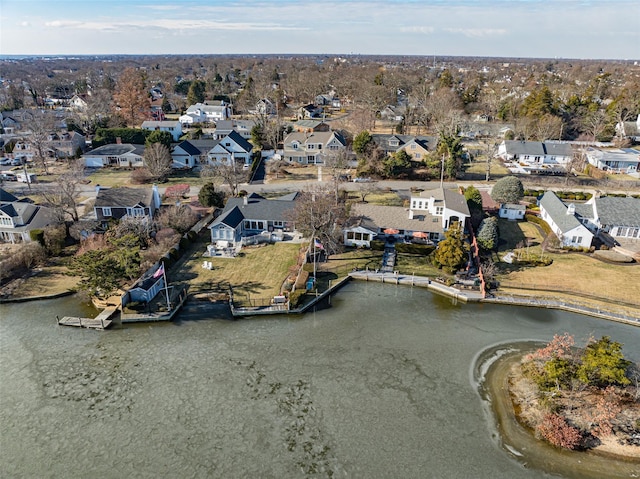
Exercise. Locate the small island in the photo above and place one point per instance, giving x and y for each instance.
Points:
(580, 398)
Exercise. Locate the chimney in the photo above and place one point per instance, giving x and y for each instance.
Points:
(410, 214)
(571, 209)
(245, 200)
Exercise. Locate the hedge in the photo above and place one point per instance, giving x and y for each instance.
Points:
(539, 221)
(410, 248)
(377, 245)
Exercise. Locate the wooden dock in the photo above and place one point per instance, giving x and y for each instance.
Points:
(102, 321)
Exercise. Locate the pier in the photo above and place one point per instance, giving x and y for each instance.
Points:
(102, 321)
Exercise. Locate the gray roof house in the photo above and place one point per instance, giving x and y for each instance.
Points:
(116, 203)
(18, 218)
(537, 157)
(562, 220)
(618, 217)
(416, 146)
(312, 147)
(251, 215)
(120, 155)
(430, 214)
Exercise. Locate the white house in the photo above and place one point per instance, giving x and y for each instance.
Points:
(512, 211)
(185, 155)
(118, 155)
(562, 220)
(619, 160)
(173, 127)
(18, 218)
(537, 156)
(232, 148)
(312, 147)
(206, 112)
(617, 216)
(430, 214)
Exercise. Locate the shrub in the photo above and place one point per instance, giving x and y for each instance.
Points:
(410, 248)
(295, 298)
(539, 221)
(488, 234)
(377, 245)
(37, 235)
(558, 432)
(141, 176)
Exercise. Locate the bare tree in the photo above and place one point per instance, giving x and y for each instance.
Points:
(232, 175)
(336, 162)
(595, 123)
(63, 196)
(40, 127)
(157, 160)
(366, 189)
(317, 215)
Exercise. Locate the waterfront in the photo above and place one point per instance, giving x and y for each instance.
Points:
(382, 384)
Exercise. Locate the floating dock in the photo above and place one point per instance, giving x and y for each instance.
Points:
(102, 321)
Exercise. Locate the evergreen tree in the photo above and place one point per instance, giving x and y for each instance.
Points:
(603, 364)
(474, 202)
(451, 253)
(507, 190)
(488, 234)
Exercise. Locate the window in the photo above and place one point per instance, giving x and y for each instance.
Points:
(573, 240)
(136, 212)
(579, 239)
(294, 146)
(350, 235)
(278, 224)
(413, 146)
(439, 210)
(106, 211)
(6, 221)
(418, 156)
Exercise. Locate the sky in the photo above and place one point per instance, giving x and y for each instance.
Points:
(596, 29)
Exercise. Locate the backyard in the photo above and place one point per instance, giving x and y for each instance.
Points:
(255, 275)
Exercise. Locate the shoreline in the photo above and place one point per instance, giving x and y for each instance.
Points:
(518, 439)
(437, 288)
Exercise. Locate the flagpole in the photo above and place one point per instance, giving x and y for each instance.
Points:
(166, 286)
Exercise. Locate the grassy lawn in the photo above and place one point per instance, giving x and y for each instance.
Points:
(382, 198)
(573, 272)
(115, 177)
(256, 274)
(418, 265)
(512, 233)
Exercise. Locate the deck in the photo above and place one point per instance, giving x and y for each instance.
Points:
(102, 321)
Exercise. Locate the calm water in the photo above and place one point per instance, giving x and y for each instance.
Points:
(383, 384)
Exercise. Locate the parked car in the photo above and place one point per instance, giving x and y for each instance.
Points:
(18, 161)
(362, 179)
(8, 177)
(5, 161)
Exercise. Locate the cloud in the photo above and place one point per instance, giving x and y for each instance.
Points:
(417, 29)
(478, 32)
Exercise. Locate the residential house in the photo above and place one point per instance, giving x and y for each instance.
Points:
(562, 220)
(429, 215)
(537, 157)
(66, 144)
(629, 129)
(415, 146)
(185, 155)
(312, 148)
(512, 211)
(251, 215)
(173, 127)
(392, 113)
(147, 287)
(620, 160)
(206, 112)
(118, 155)
(618, 217)
(78, 103)
(264, 106)
(233, 148)
(310, 126)
(224, 127)
(19, 218)
(116, 203)
(308, 112)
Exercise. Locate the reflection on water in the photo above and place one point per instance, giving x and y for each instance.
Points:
(377, 385)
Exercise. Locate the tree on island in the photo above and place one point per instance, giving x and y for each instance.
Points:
(507, 190)
(581, 391)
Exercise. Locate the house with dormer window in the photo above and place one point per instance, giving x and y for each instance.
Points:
(429, 215)
(116, 203)
(417, 147)
(251, 215)
(18, 218)
(312, 148)
(172, 127)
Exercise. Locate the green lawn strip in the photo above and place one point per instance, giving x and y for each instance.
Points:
(418, 265)
(255, 275)
(580, 273)
(513, 233)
